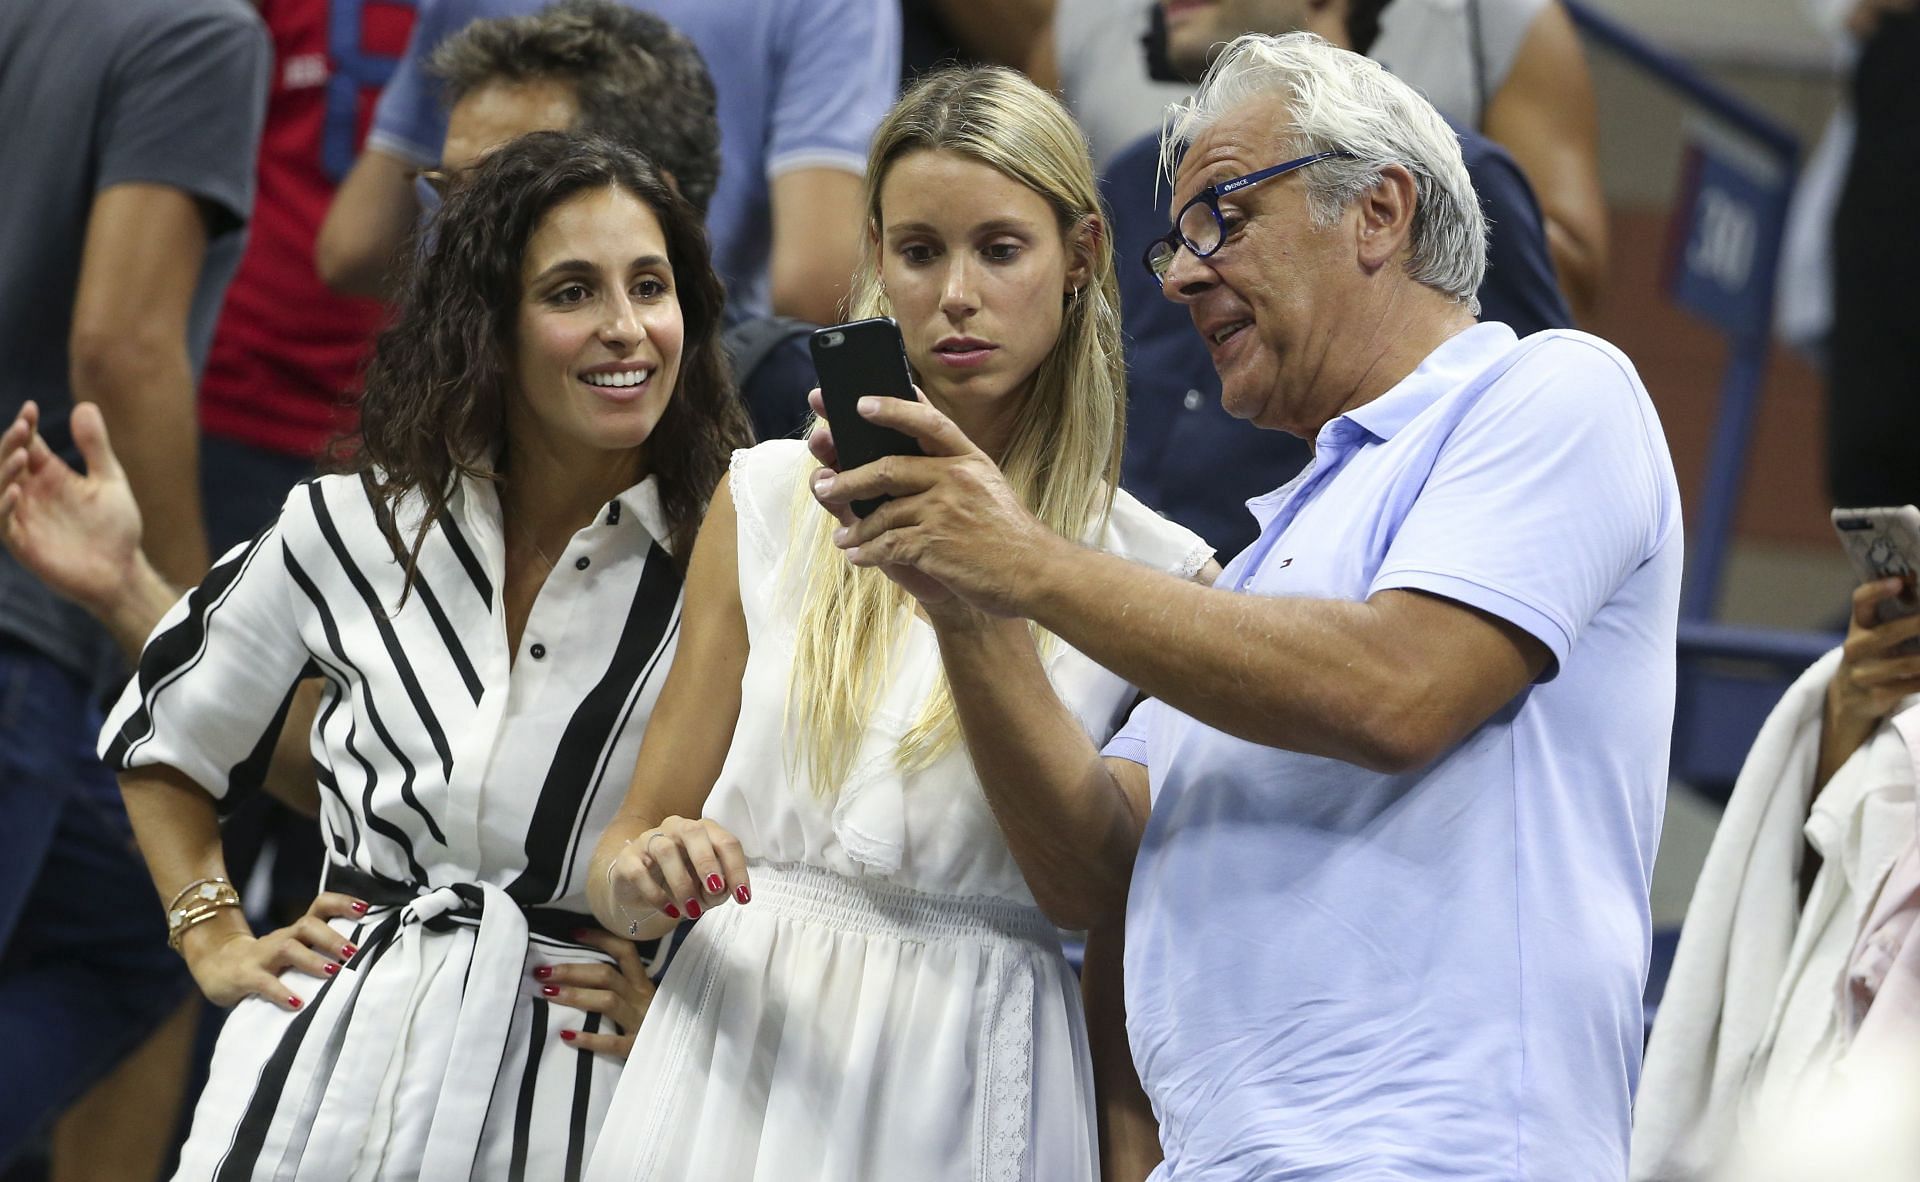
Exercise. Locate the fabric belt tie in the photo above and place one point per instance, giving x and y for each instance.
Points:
(338, 1115)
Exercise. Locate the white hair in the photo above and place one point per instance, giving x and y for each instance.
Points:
(1341, 101)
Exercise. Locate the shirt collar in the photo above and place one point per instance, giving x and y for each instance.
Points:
(475, 504)
(1447, 368)
(642, 501)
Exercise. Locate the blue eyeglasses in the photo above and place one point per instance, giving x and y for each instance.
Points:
(1201, 228)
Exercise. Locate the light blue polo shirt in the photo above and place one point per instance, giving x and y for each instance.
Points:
(1337, 973)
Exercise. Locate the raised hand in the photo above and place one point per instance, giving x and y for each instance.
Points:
(78, 533)
(1879, 668)
(954, 530)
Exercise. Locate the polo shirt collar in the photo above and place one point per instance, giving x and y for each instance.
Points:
(1447, 368)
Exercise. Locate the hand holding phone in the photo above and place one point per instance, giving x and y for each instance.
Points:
(861, 359)
(1884, 543)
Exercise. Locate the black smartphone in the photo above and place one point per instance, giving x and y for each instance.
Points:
(866, 357)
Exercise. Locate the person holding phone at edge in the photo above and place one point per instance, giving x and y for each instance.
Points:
(834, 785)
(1396, 791)
(541, 427)
(1797, 977)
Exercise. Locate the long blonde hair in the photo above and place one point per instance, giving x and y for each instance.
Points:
(1063, 458)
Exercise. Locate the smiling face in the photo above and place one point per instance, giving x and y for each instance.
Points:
(978, 273)
(1270, 300)
(597, 349)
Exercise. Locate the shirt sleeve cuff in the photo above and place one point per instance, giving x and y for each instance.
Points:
(407, 150)
(1127, 746)
(233, 198)
(1529, 619)
(834, 158)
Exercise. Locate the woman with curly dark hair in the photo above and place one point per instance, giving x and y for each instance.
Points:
(492, 600)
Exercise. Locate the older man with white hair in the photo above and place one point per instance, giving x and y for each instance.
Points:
(1396, 794)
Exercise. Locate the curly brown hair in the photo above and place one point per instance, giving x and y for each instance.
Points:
(434, 410)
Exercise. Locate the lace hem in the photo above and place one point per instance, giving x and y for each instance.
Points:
(1005, 1111)
(1196, 558)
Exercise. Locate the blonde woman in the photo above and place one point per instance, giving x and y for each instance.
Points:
(876, 990)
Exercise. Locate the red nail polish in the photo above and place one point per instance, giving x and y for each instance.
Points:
(543, 972)
(332, 968)
(741, 893)
(715, 884)
(294, 1002)
(693, 909)
(550, 990)
(347, 951)
(567, 1035)
(359, 907)
(672, 911)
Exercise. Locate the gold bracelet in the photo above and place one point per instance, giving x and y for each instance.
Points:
(208, 889)
(197, 903)
(193, 919)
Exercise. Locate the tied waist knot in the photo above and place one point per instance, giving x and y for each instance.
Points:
(338, 1114)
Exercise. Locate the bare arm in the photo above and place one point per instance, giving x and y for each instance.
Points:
(128, 354)
(179, 836)
(816, 241)
(1129, 1136)
(1388, 684)
(1544, 114)
(372, 214)
(997, 31)
(684, 748)
(178, 831)
(1072, 827)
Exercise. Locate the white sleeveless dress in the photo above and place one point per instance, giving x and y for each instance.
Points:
(891, 1004)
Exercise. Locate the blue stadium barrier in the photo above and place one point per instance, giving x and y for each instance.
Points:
(1728, 220)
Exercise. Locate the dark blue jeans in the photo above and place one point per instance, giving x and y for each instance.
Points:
(85, 971)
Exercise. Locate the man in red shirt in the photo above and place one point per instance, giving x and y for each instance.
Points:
(287, 354)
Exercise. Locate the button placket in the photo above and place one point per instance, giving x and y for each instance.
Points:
(554, 607)
(1330, 454)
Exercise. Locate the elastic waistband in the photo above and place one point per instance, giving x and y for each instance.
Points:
(871, 906)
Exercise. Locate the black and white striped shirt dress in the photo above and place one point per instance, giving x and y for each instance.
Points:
(459, 793)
